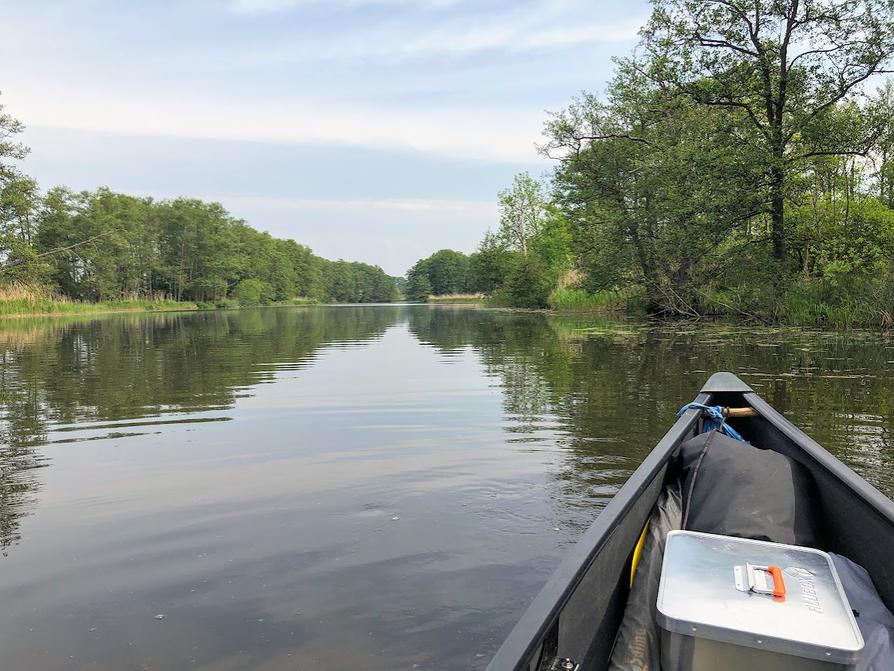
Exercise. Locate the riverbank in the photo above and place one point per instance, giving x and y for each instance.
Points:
(798, 310)
(18, 301)
(12, 308)
(802, 306)
(459, 299)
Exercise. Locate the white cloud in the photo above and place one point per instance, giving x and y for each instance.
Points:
(466, 79)
(269, 6)
(266, 87)
(413, 206)
(493, 134)
(391, 233)
(540, 29)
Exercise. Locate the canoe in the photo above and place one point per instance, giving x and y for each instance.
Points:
(576, 615)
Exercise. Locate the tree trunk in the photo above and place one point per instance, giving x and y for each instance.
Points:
(777, 214)
(650, 276)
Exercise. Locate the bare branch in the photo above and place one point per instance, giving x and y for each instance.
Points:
(614, 136)
(725, 44)
(815, 52)
(833, 152)
(845, 87)
(57, 250)
(724, 102)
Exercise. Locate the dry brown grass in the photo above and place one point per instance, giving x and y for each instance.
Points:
(18, 300)
(456, 298)
(15, 291)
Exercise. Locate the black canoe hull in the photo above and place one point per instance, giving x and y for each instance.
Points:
(577, 613)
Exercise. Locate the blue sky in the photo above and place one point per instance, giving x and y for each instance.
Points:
(373, 130)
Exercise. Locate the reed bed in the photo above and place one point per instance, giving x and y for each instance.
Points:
(21, 300)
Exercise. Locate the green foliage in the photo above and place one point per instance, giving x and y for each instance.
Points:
(490, 265)
(401, 284)
(836, 236)
(346, 282)
(519, 273)
(104, 246)
(34, 299)
(522, 212)
(630, 300)
(22, 263)
(97, 246)
(446, 271)
(784, 67)
(252, 292)
(418, 286)
(846, 304)
(529, 284)
(723, 173)
(11, 151)
(552, 245)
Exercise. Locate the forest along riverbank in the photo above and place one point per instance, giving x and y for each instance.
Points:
(701, 186)
(253, 478)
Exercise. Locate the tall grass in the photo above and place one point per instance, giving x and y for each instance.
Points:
(628, 300)
(812, 303)
(457, 298)
(20, 299)
(806, 306)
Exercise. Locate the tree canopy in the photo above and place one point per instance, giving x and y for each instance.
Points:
(739, 162)
(96, 245)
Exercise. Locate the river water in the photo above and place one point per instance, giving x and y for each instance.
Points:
(376, 487)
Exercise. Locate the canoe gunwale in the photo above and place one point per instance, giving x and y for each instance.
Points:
(536, 633)
(524, 641)
(873, 498)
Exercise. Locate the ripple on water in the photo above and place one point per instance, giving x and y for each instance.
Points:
(390, 483)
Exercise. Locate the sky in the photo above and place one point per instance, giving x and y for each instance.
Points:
(370, 130)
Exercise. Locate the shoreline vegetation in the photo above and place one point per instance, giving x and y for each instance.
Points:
(25, 301)
(21, 302)
(721, 173)
(64, 252)
(458, 299)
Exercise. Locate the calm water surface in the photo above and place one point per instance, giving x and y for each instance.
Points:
(348, 487)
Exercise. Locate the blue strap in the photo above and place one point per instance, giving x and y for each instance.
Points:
(713, 420)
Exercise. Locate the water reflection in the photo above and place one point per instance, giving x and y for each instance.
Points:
(374, 487)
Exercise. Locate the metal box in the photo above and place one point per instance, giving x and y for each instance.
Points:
(737, 604)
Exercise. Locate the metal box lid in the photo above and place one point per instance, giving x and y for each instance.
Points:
(780, 598)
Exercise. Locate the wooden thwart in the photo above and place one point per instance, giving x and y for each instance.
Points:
(739, 412)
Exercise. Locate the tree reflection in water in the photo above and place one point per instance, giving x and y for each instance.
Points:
(563, 409)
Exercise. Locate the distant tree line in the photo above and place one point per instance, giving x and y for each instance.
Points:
(739, 162)
(522, 261)
(103, 245)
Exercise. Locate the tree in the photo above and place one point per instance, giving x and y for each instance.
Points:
(552, 245)
(100, 245)
(881, 112)
(252, 292)
(21, 264)
(10, 149)
(18, 207)
(529, 283)
(19, 261)
(418, 286)
(521, 212)
(490, 265)
(651, 185)
(447, 272)
(783, 64)
(17, 198)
